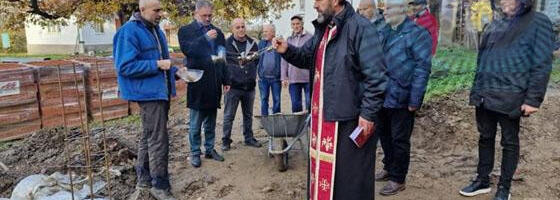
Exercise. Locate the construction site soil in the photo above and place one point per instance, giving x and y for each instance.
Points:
(444, 157)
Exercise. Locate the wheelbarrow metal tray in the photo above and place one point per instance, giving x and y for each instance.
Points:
(283, 125)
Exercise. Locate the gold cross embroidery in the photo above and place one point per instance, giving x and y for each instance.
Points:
(324, 185)
(327, 142)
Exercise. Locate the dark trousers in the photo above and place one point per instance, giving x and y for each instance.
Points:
(265, 88)
(355, 167)
(395, 130)
(202, 119)
(153, 145)
(487, 122)
(232, 100)
(295, 95)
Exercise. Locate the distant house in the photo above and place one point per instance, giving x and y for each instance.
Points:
(69, 39)
(303, 8)
(550, 8)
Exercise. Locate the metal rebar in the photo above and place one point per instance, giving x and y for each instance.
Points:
(84, 131)
(80, 137)
(106, 153)
(66, 154)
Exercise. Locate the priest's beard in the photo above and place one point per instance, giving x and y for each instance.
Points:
(325, 16)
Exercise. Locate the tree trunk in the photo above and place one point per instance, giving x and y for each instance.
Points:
(448, 18)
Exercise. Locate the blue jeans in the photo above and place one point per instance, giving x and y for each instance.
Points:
(265, 86)
(295, 95)
(207, 120)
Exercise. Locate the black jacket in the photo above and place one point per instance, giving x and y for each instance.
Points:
(354, 71)
(205, 93)
(242, 77)
(514, 63)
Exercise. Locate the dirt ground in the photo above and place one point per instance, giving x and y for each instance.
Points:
(444, 156)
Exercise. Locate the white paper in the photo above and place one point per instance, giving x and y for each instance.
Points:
(9, 88)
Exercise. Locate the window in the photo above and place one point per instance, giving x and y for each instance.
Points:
(302, 5)
(98, 27)
(53, 29)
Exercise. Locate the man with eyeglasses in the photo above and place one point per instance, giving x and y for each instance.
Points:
(199, 41)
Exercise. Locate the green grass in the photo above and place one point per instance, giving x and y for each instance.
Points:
(175, 49)
(25, 55)
(131, 119)
(452, 70)
(555, 75)
(3, 145)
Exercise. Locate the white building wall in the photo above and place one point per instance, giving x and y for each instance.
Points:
(551, 8)
(66, 40)
(93, 37)
(283, 24)
(38, 35)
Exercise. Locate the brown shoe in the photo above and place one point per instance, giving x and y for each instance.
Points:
(392, 188)
(382, 176)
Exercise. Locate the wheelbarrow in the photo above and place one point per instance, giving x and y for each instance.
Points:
(284, 131)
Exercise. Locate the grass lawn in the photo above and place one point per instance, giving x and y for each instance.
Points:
(25, 55)
(555, 76)
(453, 70)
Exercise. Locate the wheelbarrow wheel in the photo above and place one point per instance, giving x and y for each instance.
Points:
(282, 159)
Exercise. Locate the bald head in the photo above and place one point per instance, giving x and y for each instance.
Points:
(367, 8)
(269, 32)
(150, 10)
(238, 28)
(395, 11)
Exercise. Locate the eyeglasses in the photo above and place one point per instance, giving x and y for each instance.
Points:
(206, 16)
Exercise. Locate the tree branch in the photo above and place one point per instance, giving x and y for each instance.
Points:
(36, 10)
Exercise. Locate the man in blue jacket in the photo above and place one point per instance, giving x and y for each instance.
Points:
(199, 41)
(407, 48)
(145, 76)
(269, 72)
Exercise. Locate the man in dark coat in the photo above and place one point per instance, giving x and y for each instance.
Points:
(407, 49)
(349, 82)
(513, 70)
(242, 63)
(199, 41)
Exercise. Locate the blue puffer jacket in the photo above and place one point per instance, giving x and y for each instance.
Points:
(408, 55)
(136, 54)
(278, 59)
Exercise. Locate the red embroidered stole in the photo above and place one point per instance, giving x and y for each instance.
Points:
(323, 134)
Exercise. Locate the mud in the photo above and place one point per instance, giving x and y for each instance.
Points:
(444, 157)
